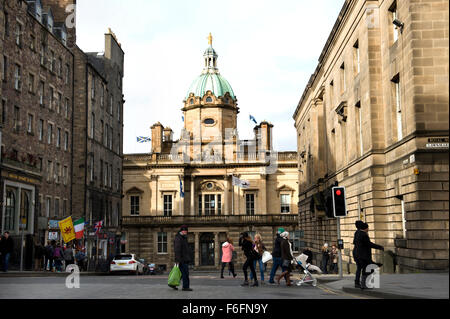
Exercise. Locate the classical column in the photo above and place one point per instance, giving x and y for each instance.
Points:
(181, 204)
(154, 195)
(263, 200)
(197, 249)
(216, 249)
(192, 213)
(225, 196)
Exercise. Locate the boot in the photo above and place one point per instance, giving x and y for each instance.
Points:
(288, 280)
(278, 278)
(255, 284)
(245, 283)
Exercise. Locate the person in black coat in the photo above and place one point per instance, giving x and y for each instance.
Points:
(7, 246)
(362, 253)
(247, 246)
(183, 256)
(276, 255)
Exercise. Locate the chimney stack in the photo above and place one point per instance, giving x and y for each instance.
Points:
(157, 137)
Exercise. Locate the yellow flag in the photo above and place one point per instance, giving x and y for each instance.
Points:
(67, 229)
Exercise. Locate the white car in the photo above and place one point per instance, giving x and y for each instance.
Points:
(127, 262)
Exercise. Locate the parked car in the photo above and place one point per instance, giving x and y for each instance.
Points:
(127, 263)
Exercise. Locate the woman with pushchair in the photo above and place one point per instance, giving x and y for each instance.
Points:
(286, 258)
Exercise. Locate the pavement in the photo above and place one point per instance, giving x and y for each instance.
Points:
(391, 286)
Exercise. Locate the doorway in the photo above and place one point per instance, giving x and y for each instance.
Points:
(207, 249)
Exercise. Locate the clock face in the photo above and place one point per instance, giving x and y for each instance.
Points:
(209, 121)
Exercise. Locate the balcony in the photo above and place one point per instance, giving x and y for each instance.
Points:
(216, 220)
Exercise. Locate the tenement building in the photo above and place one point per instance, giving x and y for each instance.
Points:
(374, 118)
(208, 179)
(98, 127)
(36, 118)
(61, 127)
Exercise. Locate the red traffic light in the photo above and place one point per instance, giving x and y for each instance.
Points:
(338, 192)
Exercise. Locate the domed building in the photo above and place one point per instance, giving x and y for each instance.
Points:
(208, 179)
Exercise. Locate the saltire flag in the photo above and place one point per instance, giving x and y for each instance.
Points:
(240, 183)
(67, 230)
(98, 226)
(79, 228)
(182, 117)
(181, 189)
(143, 139)
(252, 118)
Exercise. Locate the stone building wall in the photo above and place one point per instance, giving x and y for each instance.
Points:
(349, 132)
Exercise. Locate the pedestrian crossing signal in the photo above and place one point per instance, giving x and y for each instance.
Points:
(339, 202)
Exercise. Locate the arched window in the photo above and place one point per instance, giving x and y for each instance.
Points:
(191, 101)
(209, 99)
(25, 208)
(10, 209)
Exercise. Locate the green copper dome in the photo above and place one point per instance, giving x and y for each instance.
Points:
(210, 79)
(213, 82)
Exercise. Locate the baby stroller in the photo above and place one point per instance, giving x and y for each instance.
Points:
(305, 268)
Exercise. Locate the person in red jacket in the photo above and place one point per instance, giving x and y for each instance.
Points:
(227, 257)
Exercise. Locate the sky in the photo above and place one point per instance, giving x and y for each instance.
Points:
(267, 52)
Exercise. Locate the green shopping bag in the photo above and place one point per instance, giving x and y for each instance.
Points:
(174, 276)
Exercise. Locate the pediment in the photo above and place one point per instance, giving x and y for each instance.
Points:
(134, 190)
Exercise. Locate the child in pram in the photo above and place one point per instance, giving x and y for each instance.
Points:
(306, 268)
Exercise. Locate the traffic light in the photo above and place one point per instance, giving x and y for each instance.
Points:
(339, 202)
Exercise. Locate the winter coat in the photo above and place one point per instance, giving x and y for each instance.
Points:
(286, 250)
(57, 253)
(182, 249)
(49, 251)
(277, 246)
(247, 247)
(227, 252)
(363, 246)
(68, 254)
(7, 245)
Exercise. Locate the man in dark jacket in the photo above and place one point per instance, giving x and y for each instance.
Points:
(183, 256)
(276, 255)
(362, 253)
(7, 246)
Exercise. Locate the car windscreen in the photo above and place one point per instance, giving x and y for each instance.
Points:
(123, 257)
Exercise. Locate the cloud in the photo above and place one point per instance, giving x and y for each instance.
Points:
(267, 51)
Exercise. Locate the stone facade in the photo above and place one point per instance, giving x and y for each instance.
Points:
(37, 105)
(202, 164)
(98, 126)
(374, 118)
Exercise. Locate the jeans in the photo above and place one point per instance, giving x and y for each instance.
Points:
(261, 268)
(276, 263)
(58, 264)
(184, 268)
(334, 268)
(6, 258)
(249, 263)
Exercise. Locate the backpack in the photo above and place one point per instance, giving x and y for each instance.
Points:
(57, 252)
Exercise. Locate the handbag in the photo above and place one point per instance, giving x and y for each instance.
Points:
(266, 257)
(174, 276)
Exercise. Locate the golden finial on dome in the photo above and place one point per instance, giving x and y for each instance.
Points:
(210, 39)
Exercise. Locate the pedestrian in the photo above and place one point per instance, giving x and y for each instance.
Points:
(183, 256)
(334, 256)
(276, 255)
(68, 256)
(259, 247)
(245, 241)
(227, 257)
(325, 258)
(286, 256)
(7, 246)
(39, 253)
(81, 260)
(58, 257)
(49, 256)
(362, 253)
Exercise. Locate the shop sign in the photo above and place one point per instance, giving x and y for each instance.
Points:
(53, 236)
